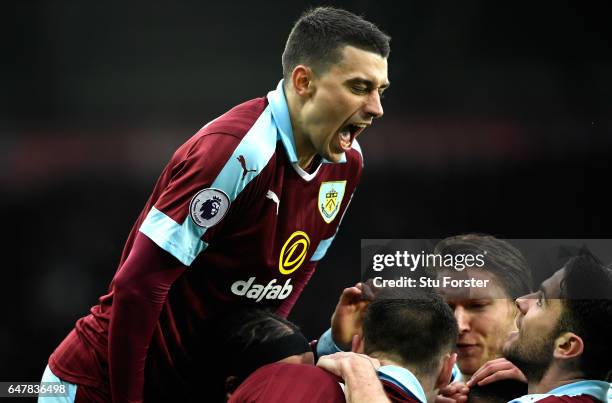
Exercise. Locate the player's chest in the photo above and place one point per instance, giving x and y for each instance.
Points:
(284, 218)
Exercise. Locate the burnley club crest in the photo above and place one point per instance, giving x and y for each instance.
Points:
(330, 198)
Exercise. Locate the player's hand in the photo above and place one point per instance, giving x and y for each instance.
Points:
(345, 363)
(496, 370)
(359, 374)
(456, 392)
(348, 316)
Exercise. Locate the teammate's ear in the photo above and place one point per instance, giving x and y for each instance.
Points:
(357, 344)
(568, 345)
(446, 371)
(301, 79)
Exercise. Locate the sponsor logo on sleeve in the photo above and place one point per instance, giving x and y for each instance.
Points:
(330, 198)
(293, 252)
(208, 207)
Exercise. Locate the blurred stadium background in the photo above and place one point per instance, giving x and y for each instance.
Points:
(498, 120)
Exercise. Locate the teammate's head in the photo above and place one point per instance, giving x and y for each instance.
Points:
(417, 331)
(335, 70)
(503, 260)
(485, 316)
(566, 324)
(256, 337)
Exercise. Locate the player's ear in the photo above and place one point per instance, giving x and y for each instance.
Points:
(568, 345)
(301, 79)
(357, 344)
(446, 371)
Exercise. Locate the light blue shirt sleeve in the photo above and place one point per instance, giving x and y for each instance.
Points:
(326, 345)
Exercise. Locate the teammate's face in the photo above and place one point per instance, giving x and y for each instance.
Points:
(485, 318)
(345, 99)
(531, 347)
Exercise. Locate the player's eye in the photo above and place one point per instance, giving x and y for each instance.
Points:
(359, 89)
(478, 305)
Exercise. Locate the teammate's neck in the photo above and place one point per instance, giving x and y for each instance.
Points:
(552, 379)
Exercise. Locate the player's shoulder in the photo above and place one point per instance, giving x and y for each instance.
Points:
(238, 121)
(227, 134)
(280, 370)
(280, 380)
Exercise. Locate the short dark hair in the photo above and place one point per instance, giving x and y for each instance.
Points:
(320, 33)
(416, 329)
(237, 342)
(252, 326)
(250, 337)
(502, 259)
(586, 292)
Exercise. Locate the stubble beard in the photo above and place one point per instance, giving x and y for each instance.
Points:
(532, 359)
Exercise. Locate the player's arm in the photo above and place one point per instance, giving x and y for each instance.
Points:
(168, 241)
(140, 289)
(359, 374)
(346, 320)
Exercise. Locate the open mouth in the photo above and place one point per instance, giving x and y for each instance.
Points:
(348, 133)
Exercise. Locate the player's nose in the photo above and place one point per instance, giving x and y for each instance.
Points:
(463, 319)
(373, 106)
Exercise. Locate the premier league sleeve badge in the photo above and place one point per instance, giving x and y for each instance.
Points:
(208, 207)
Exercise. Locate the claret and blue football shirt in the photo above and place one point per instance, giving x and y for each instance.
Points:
(250, 225)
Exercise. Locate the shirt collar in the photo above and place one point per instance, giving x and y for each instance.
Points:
(403, 379)
(280, 114)
(597, 389)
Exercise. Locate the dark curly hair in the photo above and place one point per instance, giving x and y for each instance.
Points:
(586, 292)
